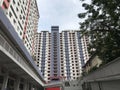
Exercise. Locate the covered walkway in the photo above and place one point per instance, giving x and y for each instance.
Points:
(17, 68)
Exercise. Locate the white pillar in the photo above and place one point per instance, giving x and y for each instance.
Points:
(17, 84)
(32, 87)
(25, 85)
(29, 86)
(35, 88)
(5, 81)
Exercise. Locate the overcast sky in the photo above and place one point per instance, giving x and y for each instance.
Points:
(59, 12)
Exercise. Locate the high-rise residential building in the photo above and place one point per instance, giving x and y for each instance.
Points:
(60, 56)
(23, 15)
(43, 45)
(74, 53)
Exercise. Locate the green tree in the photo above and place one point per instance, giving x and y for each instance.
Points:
(102, 24)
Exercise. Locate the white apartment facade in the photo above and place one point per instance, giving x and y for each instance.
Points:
(73, 54)
(42, 54)
(23, 15)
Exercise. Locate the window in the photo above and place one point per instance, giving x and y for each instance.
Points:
(24, 19)
(55, 71)
(67, 84)
(14, 21)
(13, 11)
(4, 5)
(20, 25)
(14, 1)
(8, 0)
(10, 14)
(18, 4)
(16, 9)
(48, 78)
(20, 33)
(55, 74)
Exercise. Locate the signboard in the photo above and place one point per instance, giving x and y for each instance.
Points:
(53, 88)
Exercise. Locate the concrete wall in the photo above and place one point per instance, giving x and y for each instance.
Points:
(111, 85)
(73, 85)
(106, 77)
(104, 85)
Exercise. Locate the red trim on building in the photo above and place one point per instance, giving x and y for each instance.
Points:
(5, 4)
(33, 42)
(26, 22)
(3, 7)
